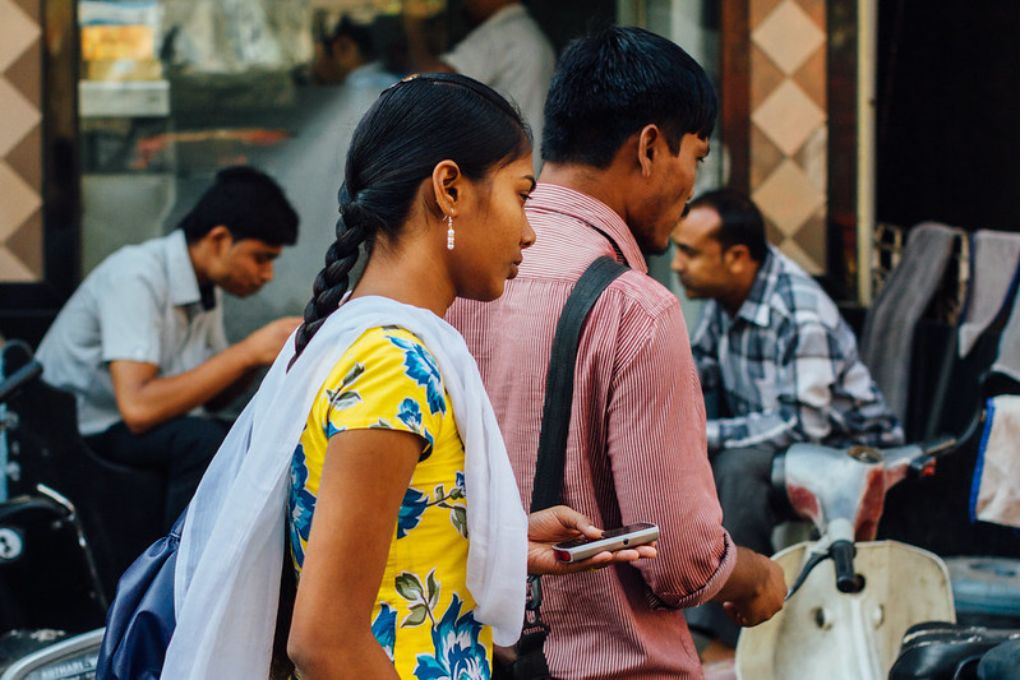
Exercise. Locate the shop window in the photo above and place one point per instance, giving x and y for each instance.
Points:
(170, 91)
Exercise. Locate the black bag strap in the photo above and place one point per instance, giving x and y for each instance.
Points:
(549, 476)
(530, 662)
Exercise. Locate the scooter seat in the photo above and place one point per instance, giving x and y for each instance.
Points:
(938, 650)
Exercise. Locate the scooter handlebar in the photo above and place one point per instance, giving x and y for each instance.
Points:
(19, 378)
(939, 445)
(847, 579)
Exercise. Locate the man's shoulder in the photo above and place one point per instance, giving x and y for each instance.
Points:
(642, 294)
(798, 297)
(637, 310)
(517, 30)
(141, 263)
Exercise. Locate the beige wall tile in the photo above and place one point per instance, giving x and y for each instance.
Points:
(771, 232)
(795, 252)
(788, 36)
(812, 78)
(765, 77)
(21, 148)
(764, 157)
(19, 201)
(18, 32)
(18, 115)
(25, 74)
(759, 10)
(26, 158)
(33, 9)
(788, 197)
(788, 117)
(811, 236)
(813, 158)
(26, 244)
(816, 10)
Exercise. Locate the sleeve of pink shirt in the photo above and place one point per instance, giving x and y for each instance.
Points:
(658, 452)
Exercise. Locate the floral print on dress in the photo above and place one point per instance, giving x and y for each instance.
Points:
(420, 366)
(458, 653)
(410, 414)
(388, 379)
(414, 503)
(383, 629)
(300, 505)
(342, 397)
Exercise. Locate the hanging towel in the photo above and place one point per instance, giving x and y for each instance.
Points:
(995, 257)
(889, 327)
(995, 495)
(1008, 360)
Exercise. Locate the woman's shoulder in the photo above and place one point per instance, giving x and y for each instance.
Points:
(389, 360)
(389, 343)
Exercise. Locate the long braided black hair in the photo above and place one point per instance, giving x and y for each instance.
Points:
(412, 127)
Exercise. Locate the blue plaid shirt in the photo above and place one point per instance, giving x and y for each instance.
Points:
(787, 368)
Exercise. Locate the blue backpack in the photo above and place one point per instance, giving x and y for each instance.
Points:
(140, 621)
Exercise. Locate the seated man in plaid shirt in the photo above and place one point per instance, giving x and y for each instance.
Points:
(782, 361)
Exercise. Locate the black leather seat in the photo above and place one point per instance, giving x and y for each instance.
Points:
(937, 650)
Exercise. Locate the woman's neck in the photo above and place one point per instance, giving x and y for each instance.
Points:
(407, 278)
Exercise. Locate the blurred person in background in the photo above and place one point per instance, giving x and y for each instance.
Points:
(506, 49)
(777, 362)
(141, 343)
(342, 51)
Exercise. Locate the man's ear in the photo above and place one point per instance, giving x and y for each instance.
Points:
(737, 256)
(447, 181)
(219, 239)
(646, 149)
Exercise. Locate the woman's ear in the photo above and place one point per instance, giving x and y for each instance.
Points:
(447, 182)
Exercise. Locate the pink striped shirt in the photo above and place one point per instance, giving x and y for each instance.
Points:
(636, 450)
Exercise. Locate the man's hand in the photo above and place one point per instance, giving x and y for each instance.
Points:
(560, 523)
(264, 344)
(764, 593)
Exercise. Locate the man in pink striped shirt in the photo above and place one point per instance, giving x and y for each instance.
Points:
(627, 120)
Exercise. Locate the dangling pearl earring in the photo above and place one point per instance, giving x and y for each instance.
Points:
(451, 233)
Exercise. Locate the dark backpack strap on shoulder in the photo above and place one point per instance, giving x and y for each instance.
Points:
(554, 430)
(529, 662)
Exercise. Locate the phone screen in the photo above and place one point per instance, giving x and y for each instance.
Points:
(610, 533)
(622, 531)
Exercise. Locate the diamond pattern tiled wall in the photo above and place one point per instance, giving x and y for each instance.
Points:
(789, 134)
(21, 176)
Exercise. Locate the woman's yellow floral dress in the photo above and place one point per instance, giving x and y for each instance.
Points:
(424, 613)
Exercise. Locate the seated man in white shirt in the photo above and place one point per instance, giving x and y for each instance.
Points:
(141, 343)
(506, 50)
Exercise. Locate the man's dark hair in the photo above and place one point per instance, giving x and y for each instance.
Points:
(742, 223)
(249, 203)
(610, 85)
(360, 34)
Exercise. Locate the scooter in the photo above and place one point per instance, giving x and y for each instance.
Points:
(48, 578)
(847, 623)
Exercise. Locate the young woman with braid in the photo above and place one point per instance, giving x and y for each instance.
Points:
(371, 444)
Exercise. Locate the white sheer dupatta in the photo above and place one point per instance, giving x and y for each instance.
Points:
(229, 562)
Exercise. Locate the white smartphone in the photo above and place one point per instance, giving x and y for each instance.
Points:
(611, 540)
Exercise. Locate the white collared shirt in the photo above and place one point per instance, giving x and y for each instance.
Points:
(510, 53)
(143, 304)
